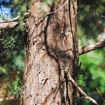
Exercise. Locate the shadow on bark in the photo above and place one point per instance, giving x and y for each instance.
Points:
(57, 55)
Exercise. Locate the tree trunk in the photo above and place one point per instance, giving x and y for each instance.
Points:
(51, 54)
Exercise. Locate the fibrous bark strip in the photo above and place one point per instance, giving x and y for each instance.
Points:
(51, 55)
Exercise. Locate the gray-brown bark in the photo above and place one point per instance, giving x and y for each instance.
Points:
(51, 55)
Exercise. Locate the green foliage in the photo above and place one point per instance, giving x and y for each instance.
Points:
(12, 60)
(92, 72)
(3, 70)
(15, 88)
(12, 38)
(90, 17)
(19, 6)
(45, 5)
(49, 2)
(18, 61)
(12, 51)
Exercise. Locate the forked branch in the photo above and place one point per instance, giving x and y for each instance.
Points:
(92, 47)
(82, 92)
(11, 23)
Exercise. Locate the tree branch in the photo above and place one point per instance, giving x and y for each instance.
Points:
(100, 94)
(8, 25)
(92, 47)
(82, 92)
(11, 23)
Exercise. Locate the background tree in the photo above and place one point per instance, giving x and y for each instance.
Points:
(95, 13)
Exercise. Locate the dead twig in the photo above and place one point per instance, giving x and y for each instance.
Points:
(100, 94)
(83, 93)
(57, 9)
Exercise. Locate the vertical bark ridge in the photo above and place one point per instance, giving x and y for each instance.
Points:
(51, 55)
(72, 16)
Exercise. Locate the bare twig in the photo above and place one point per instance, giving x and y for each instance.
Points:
(14, 19)
(11, 20)
(82, 92)
(91, 47)
(11, 23)
(100, 95)
(57, 9)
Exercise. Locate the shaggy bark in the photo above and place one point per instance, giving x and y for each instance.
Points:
(51, 55)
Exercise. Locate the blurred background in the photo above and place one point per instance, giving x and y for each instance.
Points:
(90, 24)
